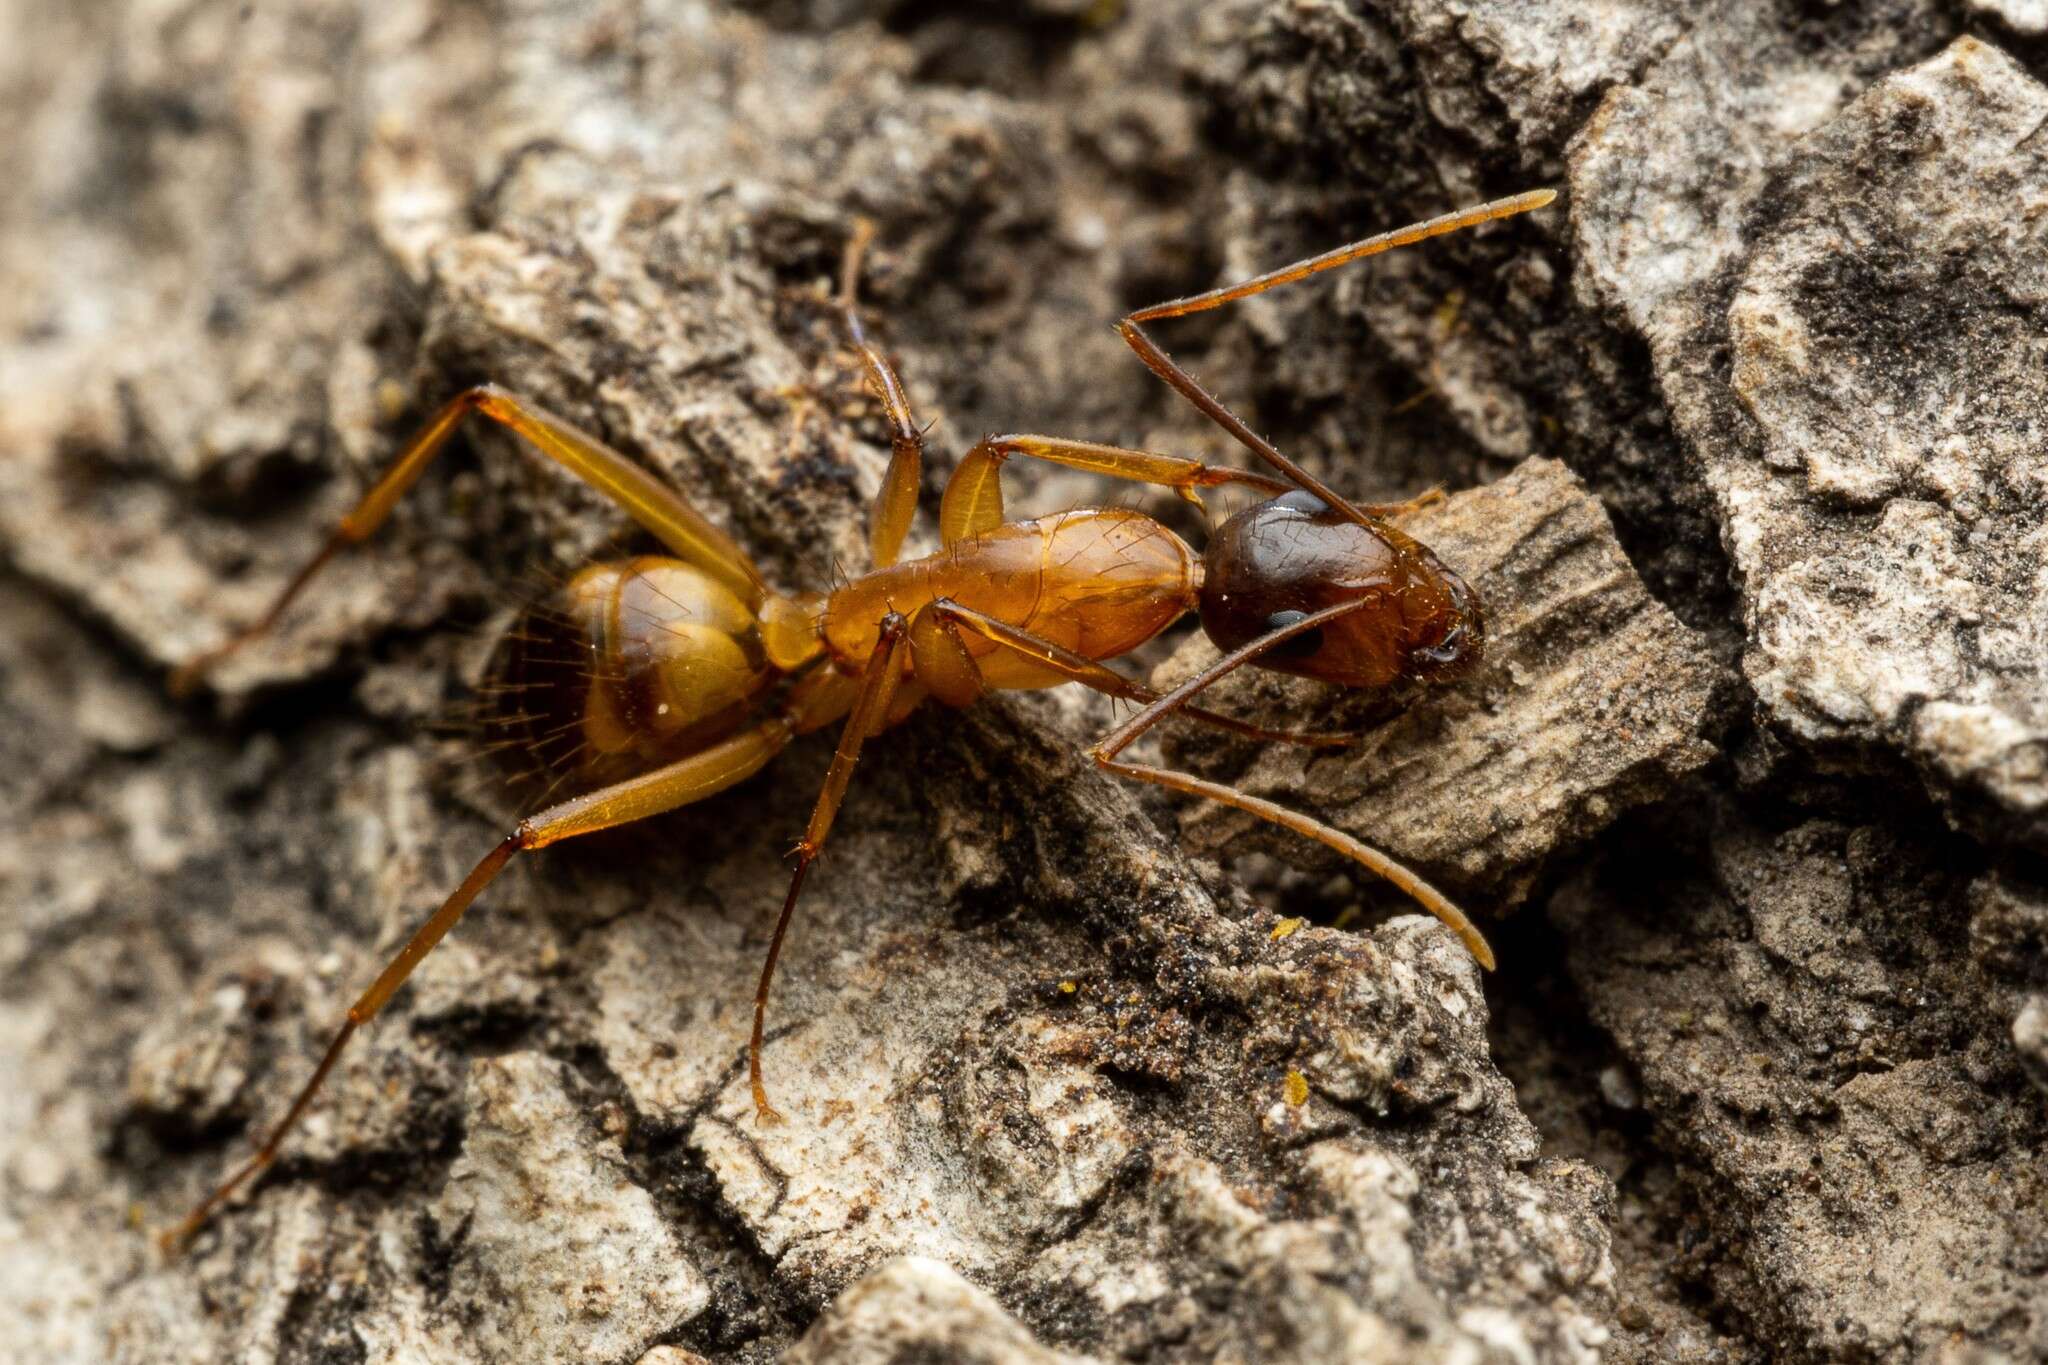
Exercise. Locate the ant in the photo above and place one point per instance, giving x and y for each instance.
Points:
(682, 674)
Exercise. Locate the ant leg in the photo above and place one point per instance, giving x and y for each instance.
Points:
(938, 667)
(878, 683)
(1366, 856)
(896, 505)
(1386, 511)
(1157, 707)
(1105, 750)
(1185, 384)
(649, 501)
(973, 501)
(939, 658)
(678, 784)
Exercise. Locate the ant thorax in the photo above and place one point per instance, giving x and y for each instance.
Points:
(1098, 581)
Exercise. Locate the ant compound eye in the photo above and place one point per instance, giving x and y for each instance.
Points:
(1298, 647)
(1302, 501)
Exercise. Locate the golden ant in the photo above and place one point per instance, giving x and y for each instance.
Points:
(663, 665)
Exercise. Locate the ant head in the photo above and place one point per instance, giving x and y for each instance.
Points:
(1271, 565)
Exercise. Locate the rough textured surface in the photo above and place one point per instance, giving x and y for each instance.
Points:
(918, 1306)
(1861, 380)
(1849, 1103)
(1041, 1047)
(1791, 335)
(551, 1239)
(1895, 584)
(1774, 1038)
(2027, 18)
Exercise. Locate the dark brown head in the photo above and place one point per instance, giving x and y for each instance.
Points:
(1273, 564)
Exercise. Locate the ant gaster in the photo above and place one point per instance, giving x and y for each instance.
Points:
(691, 673)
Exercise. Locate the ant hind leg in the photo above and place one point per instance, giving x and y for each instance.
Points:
(677, 784)
(650, 502)
(878, 684)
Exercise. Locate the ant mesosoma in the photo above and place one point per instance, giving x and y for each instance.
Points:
(675, 658)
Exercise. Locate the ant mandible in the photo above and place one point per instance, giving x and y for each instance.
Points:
(673, 658)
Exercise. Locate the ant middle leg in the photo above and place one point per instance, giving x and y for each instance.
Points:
(650, 502)
(879, 680)
(1131, 328)
(677, 784)
(896, 504)
(973, 501)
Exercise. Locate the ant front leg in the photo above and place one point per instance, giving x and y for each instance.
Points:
(944, 666)
(1105, 750)
(678, 784)
(650, 502)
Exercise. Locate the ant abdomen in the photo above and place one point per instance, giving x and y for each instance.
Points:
(628, 664)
